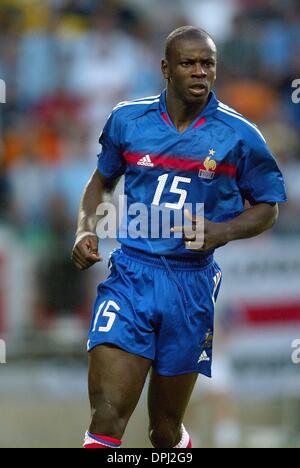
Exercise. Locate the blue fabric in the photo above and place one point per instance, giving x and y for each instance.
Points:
(161, 309)
(222, 158)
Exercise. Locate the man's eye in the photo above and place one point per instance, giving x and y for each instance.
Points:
(185, 64)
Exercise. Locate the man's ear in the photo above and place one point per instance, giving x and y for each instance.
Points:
(165, 69)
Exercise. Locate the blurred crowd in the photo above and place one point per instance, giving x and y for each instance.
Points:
(66, 63)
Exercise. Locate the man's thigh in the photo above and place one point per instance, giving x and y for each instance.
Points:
(116, 380)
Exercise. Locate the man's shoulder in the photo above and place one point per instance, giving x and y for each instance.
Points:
(129, 110)
(244, 128)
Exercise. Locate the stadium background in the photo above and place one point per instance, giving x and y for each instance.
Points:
(65, 64)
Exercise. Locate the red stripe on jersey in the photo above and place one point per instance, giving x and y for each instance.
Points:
(169, 162)
(200, 122)
(226, 169)
(166, 118)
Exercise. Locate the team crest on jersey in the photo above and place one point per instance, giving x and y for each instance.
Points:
(210, 167)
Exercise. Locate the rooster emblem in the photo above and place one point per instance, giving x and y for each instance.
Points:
(210, 164)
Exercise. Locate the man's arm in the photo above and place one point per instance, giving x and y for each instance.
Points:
(85, 250)
(252, 222)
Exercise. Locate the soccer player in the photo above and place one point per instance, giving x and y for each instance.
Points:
(156, 309)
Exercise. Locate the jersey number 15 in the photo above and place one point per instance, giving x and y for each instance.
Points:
(162, 180)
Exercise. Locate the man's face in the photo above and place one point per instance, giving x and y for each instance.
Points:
(191, 69)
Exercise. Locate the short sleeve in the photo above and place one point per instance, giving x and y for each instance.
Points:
(111, 163)
(259, 177)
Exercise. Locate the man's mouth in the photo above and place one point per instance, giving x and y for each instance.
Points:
(198, 89)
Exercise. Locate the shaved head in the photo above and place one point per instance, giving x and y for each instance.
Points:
(190, 66)
(186, 33)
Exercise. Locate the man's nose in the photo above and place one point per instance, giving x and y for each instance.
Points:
(199, 70)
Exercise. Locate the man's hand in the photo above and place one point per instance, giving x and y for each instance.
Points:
(85, 251)
(203, 235)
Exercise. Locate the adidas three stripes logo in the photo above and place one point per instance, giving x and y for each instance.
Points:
(146, 161)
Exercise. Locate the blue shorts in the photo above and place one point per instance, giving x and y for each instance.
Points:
(160, 309)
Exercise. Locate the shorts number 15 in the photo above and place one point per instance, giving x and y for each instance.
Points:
(106, 313)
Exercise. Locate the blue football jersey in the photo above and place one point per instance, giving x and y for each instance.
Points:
(220, 161)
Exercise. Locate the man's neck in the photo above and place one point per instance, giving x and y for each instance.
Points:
(181, 113)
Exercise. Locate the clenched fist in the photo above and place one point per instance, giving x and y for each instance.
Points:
(85, 251)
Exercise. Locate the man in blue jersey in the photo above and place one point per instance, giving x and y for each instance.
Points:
(156, 309)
